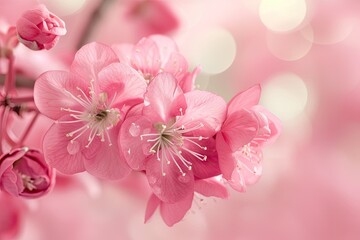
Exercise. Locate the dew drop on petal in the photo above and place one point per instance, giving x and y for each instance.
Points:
(146, 102)
(73, 147)
(134, 130)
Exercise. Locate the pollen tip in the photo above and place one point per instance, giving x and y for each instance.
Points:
(163, 174)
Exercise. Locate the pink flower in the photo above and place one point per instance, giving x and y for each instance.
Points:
(156, 54)
(246, 129)
(89, 105)
(172, 139)
(152, 16)
(24, 172)
(174, 212)
(38, 28)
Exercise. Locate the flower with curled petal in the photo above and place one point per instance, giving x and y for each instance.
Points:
(246, 129)
(172, 139)
(88, 105)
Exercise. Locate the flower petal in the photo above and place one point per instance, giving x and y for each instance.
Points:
(90, 60)
(164, 99)
(146, 57)
(172, 187)
(105, 161)
(176, 65)
(245, 99)
(202, 168)
(165, 45)
(187, 84)
(206, 108)
(122, 84)
(174, 212)
(211, 188)
(59, 152)
(124, 52)
(130, 142)
(227, 163)
(49, 94)
(239, 128)
(151, 206)
(248, 170)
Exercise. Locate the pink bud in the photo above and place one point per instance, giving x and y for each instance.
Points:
(38, 28)
(24, 172)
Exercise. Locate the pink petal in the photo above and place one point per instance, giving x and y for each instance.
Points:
(124, 52)
(165, 45)
(226, 162)
(211, 188)
(164, 99)
(11, 183)
(174, 212)
(187, 84)
(130, 142)
(122, 84)
(245, 99)
(49, 95)
(104, 161)
(60, 153)
(90, 60)
(151, 206)
(248, 171)
(206, 108)
(239, 128)
(275, 124)
(203, 168)
(146, 57)
(172, 187)
(176, 65)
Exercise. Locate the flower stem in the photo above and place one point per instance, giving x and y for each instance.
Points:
(10, 76)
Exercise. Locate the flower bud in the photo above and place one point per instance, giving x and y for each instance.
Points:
(24, 172)
(38, 28)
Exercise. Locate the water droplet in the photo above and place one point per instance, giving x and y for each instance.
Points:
(184, 178)
(134, 130)
(146, 102)
(73, 147)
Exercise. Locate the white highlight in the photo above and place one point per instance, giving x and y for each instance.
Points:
(282, 15)
(285, 95)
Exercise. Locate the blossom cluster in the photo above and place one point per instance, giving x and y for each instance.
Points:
(125, 108)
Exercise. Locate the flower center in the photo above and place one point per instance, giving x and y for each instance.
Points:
(171, 141)
(97, 115)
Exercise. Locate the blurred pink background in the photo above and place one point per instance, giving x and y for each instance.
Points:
(304, 53)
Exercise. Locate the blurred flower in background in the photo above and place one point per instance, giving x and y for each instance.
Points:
(303, 53)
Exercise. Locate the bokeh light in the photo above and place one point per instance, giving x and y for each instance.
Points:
(282, 15)
(286, 95)
(213, 49)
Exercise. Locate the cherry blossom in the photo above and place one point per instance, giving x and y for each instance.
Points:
(175, 132)
(246, 129)
(88, 106)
